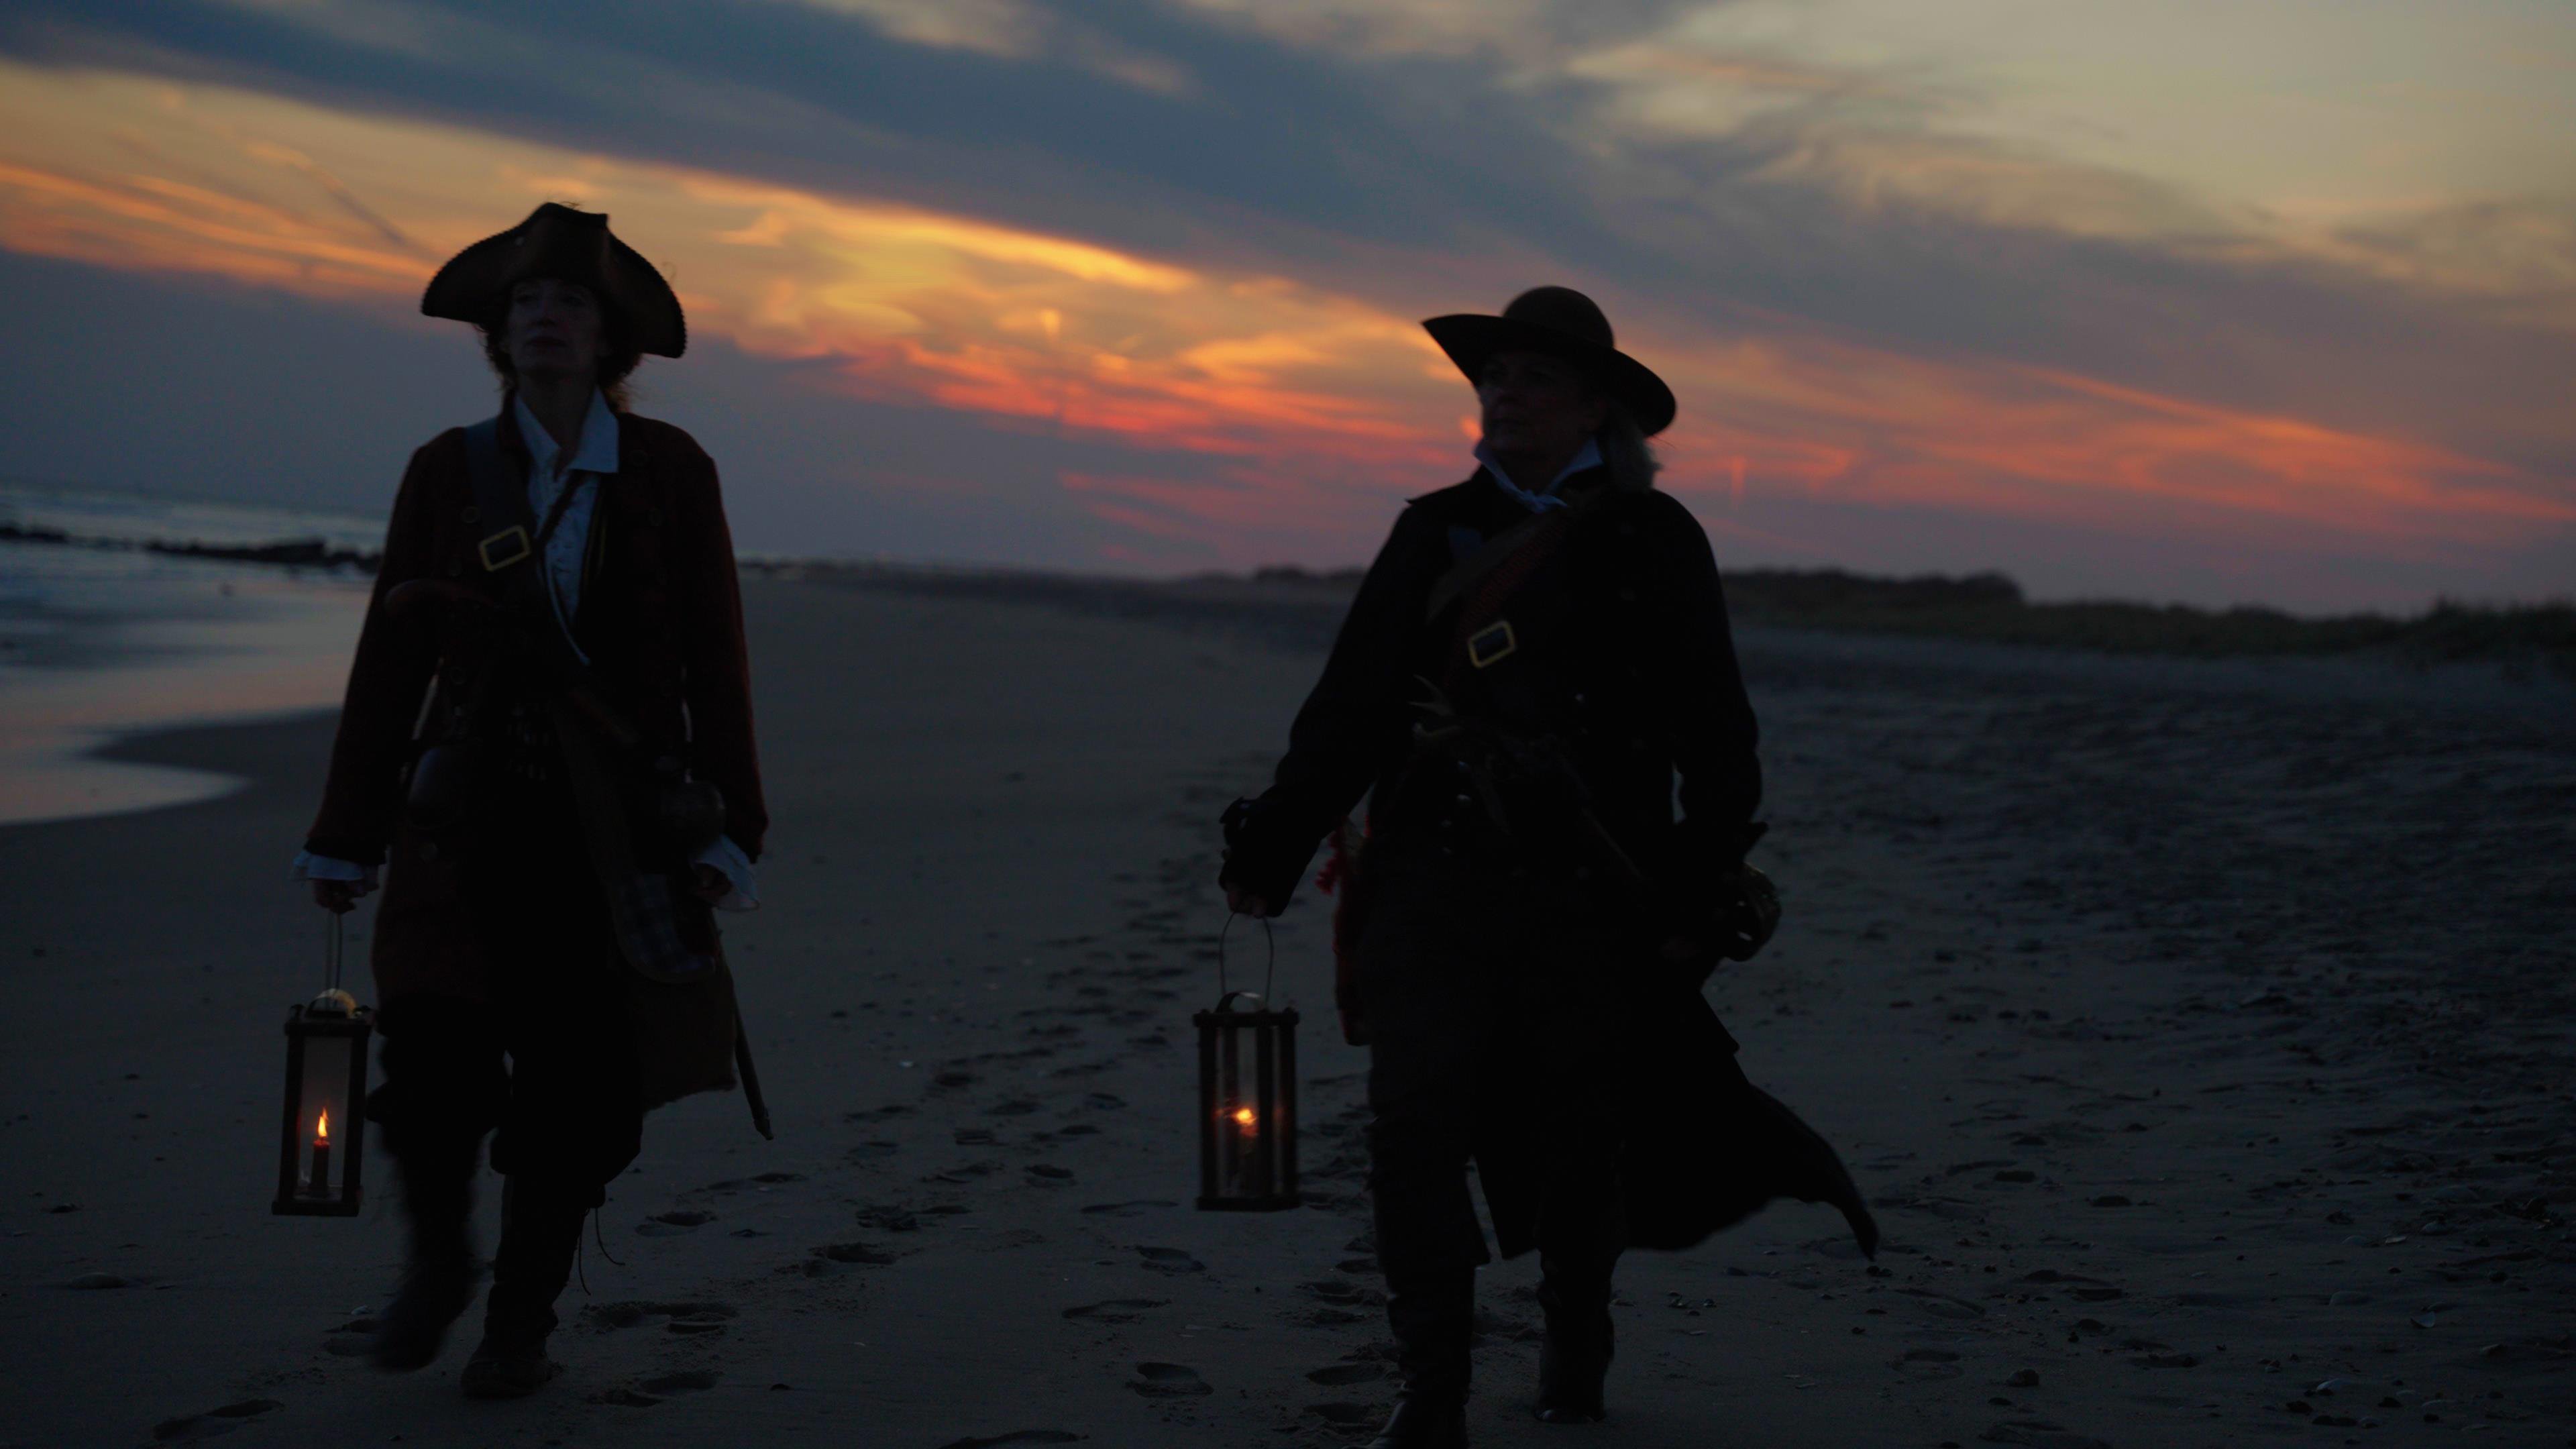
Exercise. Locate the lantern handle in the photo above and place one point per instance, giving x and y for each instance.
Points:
(1270, 970)
(334, 946)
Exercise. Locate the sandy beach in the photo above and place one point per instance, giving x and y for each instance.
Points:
(2204, 1033)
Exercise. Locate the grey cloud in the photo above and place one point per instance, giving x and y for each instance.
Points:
(1411, 167)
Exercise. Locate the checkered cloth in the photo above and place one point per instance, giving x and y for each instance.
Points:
(645, 906)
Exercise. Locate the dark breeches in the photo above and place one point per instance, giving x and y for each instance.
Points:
(1492, 1011)
(547, 1066)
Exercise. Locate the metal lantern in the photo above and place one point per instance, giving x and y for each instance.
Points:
(1247, 1101)
(326, 1088)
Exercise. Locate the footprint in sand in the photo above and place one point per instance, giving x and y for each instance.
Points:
(1135, 1209)
(610, 1316)
(652, 1391)
(1022, 1436)
(1169, 1381)
(192, 1427)
(860, 1253)
(878, 1114)
(974, 1137)
(1078, 1129)
(687, 1381)
(1345, 1416)
(765, 1180)
(1347, 1373)
(353, 1339)
(1050, 1171)
(1016, 1107)
(684, 1220)
(870, 1151)
(1117, 1310)
(1334, 1290)
(1171, 1260)
(1103, 1101)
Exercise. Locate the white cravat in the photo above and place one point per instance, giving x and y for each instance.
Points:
(594, 456)
(1545, 498)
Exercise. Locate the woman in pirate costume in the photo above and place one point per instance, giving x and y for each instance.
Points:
(547, 749)
(1532, 658)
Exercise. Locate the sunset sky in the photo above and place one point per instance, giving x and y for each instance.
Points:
(2192, 300)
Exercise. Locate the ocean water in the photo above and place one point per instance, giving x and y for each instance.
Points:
(100, 639)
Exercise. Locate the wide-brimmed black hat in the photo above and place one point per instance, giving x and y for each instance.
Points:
(1563, 323)
(573, 246)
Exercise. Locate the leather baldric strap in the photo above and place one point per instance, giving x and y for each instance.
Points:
(1484, 582)
(501, 508)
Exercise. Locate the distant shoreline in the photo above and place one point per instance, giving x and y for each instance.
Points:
(1988, 607)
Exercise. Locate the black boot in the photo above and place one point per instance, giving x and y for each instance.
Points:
(440, 1275)
(540, 1232)
(1433, 1316)
(1574, 1358)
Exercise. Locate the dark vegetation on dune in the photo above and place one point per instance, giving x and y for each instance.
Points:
(295, 552)
(1991, 607)
(1300, 603)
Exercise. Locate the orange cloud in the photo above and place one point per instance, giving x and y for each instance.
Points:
(1322, 407)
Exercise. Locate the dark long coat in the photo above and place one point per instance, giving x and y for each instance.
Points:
(661, 619)
(1625, 656)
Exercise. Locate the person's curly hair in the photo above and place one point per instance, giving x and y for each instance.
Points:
(617, 356)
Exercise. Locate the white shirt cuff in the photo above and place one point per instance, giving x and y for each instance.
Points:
(309, 866)
(726, 856)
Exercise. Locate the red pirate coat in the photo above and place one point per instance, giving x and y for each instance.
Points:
(661, 619)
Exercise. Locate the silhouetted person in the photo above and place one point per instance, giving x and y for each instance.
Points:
(1531, 658)
(547, 742)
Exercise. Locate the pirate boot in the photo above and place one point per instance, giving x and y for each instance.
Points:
(1574, 1357)
(1433, 1316)
(439, 1276)
(540, 1232)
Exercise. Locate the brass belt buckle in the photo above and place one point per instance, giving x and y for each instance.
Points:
(1492, 644)
(514, 539)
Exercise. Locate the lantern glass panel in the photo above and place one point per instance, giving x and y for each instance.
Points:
(326, 1083)
(1247, 1107)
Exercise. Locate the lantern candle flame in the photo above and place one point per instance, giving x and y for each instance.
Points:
(318, 1184)
(1246, 1118)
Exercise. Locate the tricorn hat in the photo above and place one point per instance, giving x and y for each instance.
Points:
(574, 246)
(1564, 323)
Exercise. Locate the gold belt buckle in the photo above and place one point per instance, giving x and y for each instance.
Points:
(1492, 644)
(514, 539)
